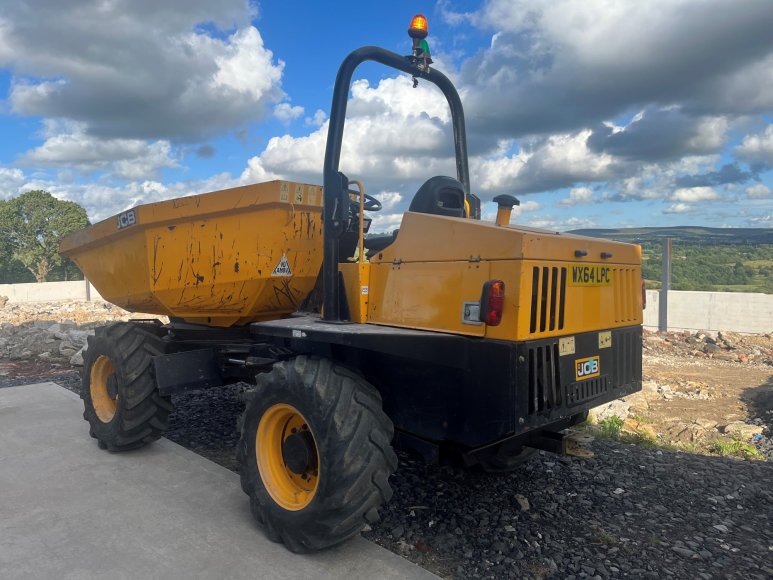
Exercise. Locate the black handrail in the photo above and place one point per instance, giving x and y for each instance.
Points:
(336, 198)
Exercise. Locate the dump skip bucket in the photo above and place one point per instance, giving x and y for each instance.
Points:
(222, 258)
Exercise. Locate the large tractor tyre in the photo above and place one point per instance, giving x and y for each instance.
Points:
(122, 404)
(314, 454)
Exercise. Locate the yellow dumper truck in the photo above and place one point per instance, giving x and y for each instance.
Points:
(451, 337)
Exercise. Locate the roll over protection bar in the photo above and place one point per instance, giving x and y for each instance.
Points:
(336, 198)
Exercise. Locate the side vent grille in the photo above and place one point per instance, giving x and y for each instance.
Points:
(627, 358)
(544, 378)
(548, 299)
(577, 393)
(627, 290)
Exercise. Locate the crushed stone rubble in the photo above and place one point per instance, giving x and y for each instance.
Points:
(725, 346)
(628, 512)
(700, 350)
(55, 332)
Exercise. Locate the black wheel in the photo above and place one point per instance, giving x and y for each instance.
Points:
(122, 405)
(314, 454)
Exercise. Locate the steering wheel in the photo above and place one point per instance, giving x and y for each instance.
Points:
(371, 203)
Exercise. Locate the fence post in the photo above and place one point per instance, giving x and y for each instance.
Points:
(665, 286)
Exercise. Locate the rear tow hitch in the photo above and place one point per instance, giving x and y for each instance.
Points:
(573, 443)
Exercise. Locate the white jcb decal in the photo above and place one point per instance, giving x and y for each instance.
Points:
(282, 268)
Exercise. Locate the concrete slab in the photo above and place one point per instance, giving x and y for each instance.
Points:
(71, 510)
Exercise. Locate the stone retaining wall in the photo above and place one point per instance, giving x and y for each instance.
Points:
(50, 291)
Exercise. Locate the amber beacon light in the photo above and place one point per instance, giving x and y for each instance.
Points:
(418, 28)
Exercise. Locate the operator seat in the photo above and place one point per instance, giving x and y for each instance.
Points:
(440, 195)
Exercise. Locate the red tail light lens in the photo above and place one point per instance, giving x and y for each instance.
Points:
(492, 302)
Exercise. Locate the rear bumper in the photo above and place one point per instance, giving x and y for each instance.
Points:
(549, 386)
(503, 391)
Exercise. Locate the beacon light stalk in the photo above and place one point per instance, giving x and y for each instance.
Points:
(418, 31)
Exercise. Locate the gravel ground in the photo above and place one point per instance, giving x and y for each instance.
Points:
(628, 512)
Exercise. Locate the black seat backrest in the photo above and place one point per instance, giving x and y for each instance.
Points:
(440, 195)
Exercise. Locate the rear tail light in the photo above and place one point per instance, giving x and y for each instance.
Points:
(492, 301)
(643, 295)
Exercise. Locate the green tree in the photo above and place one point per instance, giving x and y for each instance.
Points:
(33, 224)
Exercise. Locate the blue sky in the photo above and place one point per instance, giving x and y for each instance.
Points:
(594, 114)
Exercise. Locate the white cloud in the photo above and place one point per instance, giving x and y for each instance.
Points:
(559, 65)
(129, 159)
(286, 112)
(318, 119)
(762, 221)
(578, 195)
(389, 199)
(560, 225)
(148, 70)
(757, 147)
(10, 181)
(693, 194)
(543, 164)
(385, 222)
(394, 135)
(489, 210)
(678, 208)
(758, 191)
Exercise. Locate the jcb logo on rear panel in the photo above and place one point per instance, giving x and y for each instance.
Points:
(586, 368)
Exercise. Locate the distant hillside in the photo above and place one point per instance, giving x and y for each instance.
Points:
(713, 259)
(684, 234)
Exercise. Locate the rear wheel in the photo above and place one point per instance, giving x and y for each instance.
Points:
(314, 454)
(121, 401)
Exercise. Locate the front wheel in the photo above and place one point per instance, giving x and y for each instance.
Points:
(314, 454)
(120, 398)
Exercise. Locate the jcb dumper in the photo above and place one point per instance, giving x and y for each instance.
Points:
(452, 336)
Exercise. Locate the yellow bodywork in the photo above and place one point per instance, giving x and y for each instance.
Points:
(253, 253)
(437, 266)
(229, 257)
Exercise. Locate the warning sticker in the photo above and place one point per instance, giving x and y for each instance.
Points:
(282, 268)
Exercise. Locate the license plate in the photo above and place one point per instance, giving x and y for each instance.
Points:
(591, 276)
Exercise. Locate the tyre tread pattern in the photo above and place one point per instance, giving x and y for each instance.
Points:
(353, 434)
(143, 414)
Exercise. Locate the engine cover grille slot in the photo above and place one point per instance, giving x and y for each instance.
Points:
(544, 378)
(548, 299)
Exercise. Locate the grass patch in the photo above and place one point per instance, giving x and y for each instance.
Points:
(735, 447)
(639, 438)
(610, 427)
(639, 432)
(614, 427)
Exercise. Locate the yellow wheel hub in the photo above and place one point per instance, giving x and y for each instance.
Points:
(287, 456)
(104, 404)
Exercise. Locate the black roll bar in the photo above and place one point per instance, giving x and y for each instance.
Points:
(336, 198)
